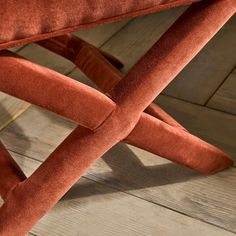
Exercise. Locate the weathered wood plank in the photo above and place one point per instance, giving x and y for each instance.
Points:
(15, 49)
(133, 41)
(100, 34)
(91, 208)
(10, 108)
(198, 81)
(151, 178)
(225, 97)
(33, 133)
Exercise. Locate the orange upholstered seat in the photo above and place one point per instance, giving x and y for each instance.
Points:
(31, 20)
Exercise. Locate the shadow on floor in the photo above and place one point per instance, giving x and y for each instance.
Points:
(17, 128)
(129, 173)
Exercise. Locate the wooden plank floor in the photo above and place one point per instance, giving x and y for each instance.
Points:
(157, 197)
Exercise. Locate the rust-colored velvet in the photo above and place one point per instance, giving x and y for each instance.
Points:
(54, 91)
(122, 116)
(31, 20)
(10, 173)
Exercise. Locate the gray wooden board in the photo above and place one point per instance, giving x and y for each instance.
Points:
(10, 108)
(133, 40)
(225, 97)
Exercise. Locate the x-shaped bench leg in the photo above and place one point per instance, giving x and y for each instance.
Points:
(29, 200)
(99, 66)
(169, 142)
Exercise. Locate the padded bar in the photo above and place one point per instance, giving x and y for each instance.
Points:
(172, 52)
(159, 113)
(10, 172)
(53, 91)
(177, 145)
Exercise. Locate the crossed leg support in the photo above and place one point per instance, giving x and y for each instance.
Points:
(119, 117)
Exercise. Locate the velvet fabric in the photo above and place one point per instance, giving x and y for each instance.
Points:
(54, 91)
(125, 114)
(31, 20)
(10, 170)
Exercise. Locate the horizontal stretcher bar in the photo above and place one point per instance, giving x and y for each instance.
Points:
(53, 91)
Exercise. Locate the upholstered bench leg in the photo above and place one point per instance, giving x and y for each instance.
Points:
(153, 141)
(177, 145)
(163, 62)
(28, 90)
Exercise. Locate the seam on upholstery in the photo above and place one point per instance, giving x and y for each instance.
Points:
(62, 31)
(108, 116)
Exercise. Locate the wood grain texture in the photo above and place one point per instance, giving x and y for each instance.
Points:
(15, 49)
(133, 41)
(137, 172)
(225, 97)
(10, 108)
(91, 208)
(202, 76)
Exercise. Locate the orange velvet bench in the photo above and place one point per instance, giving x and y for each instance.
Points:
(124, 112)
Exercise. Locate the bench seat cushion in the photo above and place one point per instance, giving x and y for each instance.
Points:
(24, 21)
